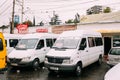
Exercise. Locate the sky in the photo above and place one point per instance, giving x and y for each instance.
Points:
(43, 10)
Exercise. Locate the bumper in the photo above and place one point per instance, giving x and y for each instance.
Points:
(21, 64)
(60, 67)
(3, 69)
(112, 63)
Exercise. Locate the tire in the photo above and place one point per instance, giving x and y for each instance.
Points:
(99, 62)
(35, 64)
(78, 70)
(41, 64)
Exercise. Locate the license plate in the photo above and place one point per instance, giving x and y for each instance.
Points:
(54, 68)
(14, 64)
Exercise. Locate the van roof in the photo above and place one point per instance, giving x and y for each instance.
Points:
(40, 35)
(79, 33)
(7, 35)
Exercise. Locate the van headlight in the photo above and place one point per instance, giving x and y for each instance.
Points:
(26, 58)
(46, 59)
(67, 61)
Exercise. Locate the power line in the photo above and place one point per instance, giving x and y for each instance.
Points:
(69, 5)
(54, 1)
(3, 3)
(6, 9)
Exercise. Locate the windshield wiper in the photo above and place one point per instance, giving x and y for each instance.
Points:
(55, 47)
(17, 48)
(64, 48)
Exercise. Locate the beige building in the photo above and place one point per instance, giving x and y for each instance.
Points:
(114, 16)
(106, 23)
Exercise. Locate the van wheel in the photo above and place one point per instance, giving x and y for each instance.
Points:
(99, 62)
(78, 70)
(41, 64)
(35, 64)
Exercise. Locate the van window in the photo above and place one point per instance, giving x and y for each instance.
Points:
(27, 44)
(49, 42)
(54, 39)
(82, 44)
(91, 41)
(66, 43)
(13, 42)
(1, 45)
(98, 41)
(40, 44)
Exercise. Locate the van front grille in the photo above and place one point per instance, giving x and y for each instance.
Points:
(14, 60)
(55, 60)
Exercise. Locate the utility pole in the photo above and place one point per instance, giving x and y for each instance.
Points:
(53, 13)
(12, 24)
(22, 13)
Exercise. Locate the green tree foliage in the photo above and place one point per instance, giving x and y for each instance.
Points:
(28, 22)
(41, 23)
(69, 21)
(3, 27)
(55, 20)
(76, 20)
(107, 10)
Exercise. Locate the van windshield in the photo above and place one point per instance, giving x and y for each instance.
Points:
(66, 43)
(26, 44)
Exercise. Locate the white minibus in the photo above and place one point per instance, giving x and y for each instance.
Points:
(74, 50)
(31, 50)
(11, 41)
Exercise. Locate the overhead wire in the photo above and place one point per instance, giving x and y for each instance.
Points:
(6, 9)
(63, 7)
(69, 5)
(54, 1)
(3, 3)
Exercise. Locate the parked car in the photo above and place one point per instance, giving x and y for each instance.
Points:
(113, 56)
(113, 73)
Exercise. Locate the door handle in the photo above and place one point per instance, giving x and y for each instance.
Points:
(44, 49)
(86, 50)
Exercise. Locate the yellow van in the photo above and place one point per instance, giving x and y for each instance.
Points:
(2, 52)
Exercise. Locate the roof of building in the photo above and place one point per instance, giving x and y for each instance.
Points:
(113, 16)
